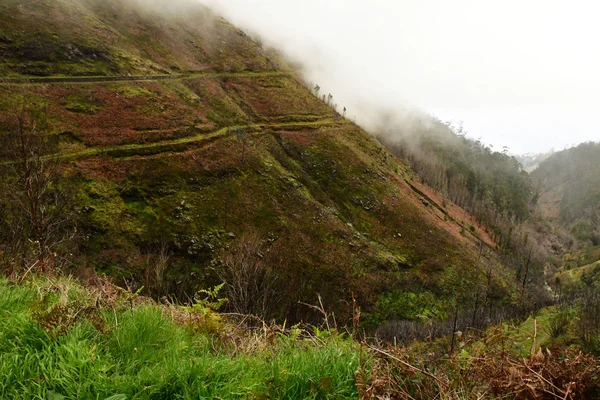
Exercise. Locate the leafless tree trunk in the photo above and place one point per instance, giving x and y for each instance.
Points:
(525, 276)
(250, 282)
(36, 200)
(454, 321)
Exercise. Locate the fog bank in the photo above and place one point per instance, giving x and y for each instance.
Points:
(521, 74)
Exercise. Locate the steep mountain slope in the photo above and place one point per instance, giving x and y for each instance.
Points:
(187, 142)
(569, 196)
(491, 185)
(570, 181)
(90, 37)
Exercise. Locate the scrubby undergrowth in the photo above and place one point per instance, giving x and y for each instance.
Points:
(60, 339)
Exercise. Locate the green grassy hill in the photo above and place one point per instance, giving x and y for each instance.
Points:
(183, 138)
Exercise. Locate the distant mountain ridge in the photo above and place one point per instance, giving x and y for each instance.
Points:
(570, 182)
(531, 161)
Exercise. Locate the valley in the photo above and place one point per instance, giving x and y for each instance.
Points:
(183, 216)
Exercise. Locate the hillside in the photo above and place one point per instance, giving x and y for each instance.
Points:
(492, 186)
(570, 189)
(569, 200)
(182, 216)
(195, 156)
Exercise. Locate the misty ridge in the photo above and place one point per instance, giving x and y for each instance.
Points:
(383, 116)
(454, 60)
(387, 118)
(393, 120)
(162, 8)
(211, 41)
(464, 169)
(162, 13)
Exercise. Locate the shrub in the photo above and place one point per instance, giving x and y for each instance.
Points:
(589, 322)
(559, 324)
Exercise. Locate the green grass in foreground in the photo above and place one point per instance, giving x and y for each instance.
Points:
(141, 353)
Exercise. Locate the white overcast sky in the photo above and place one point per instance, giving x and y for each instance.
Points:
(521, 73)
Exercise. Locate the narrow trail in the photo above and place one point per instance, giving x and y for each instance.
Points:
(164, 146)
(134, 78)
(129, 150)
(204, 137)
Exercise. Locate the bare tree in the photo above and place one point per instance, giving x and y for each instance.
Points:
(251, 283)
(36, 200)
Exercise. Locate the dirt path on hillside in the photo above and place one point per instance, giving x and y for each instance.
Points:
(127, 150)
(133, 78)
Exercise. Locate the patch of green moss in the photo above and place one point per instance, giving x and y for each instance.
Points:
(131, 90)
(224, 111)
(81, 105)
(140, 210)
(105, 211)
(406, 305)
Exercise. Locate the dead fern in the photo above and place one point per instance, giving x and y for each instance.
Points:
(562, 373)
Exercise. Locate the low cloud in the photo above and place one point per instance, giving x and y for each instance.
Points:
(521, 74)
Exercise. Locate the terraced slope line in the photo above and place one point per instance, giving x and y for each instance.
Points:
(223, 132)
(199, 138)
(136, 78)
